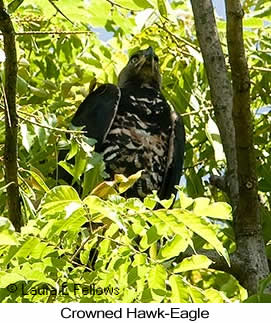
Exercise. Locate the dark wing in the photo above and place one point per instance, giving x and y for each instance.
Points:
(175, 157)
(97, 112)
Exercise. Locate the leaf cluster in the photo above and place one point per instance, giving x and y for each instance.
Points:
(135, 248)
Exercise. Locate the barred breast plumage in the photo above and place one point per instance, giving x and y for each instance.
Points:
(139, 139)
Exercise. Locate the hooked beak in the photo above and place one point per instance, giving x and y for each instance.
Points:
(147, 57)
(149, 52)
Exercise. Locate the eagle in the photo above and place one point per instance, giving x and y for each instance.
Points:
(135, 128)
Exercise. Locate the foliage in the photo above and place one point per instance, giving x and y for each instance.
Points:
(126, 248)
(141, 250)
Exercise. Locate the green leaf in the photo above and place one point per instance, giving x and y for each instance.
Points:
(170, 221)
(135, 4)
(62, 198)
(200, 203)
(101, 210)
(125, 23)
(162, 7)
(149, 238)
(185, 201)
(146, 296)
(133, 276)
(9, 278)
(173, 247)
(76, 11)
(94, 176)
(68, 168)
(265, 12)
(213, 135)
(97, 205)
(179, 291)
(218, 210)
(80, 165)
(41, 250)
(14, 5)
(150, 202)
(28, 205)
(264, 284)
(41, 93)
(167, 203)
(104, 189)
(5, 224)
(103, 8)
(197, 295)
(73, 222)
(157, 280)
(7, 234)
(36, 272)
(104, 247)
(27, 138)
(194, 184)
(204, 229)
(215, 296)
(262, 298)
(193, 263)
(8, 238)
(39, 180)
(73, 150)
(21, 85)
(253, 23)
(27, 248)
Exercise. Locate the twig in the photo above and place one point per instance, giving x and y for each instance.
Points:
(51, 128)
(6, 109)
(262, 69)
(177, 38)
(59, 11)
(195, 112)
(120, 6)
(6, 186)
(125, 245)
(52, 32)
(195, 165)
(79, 249)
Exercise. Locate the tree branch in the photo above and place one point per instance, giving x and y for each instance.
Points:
(220, 87)
(241, 114)
(249, 240)
(10, 154)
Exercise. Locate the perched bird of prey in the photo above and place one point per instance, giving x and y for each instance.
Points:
(135, 128)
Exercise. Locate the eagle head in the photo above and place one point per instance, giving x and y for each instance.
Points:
(142, 70)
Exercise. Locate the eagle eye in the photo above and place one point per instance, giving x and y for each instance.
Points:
(134, 59)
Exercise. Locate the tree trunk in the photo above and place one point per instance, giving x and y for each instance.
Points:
(10, 154)
(232, 111)
(249, 240)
